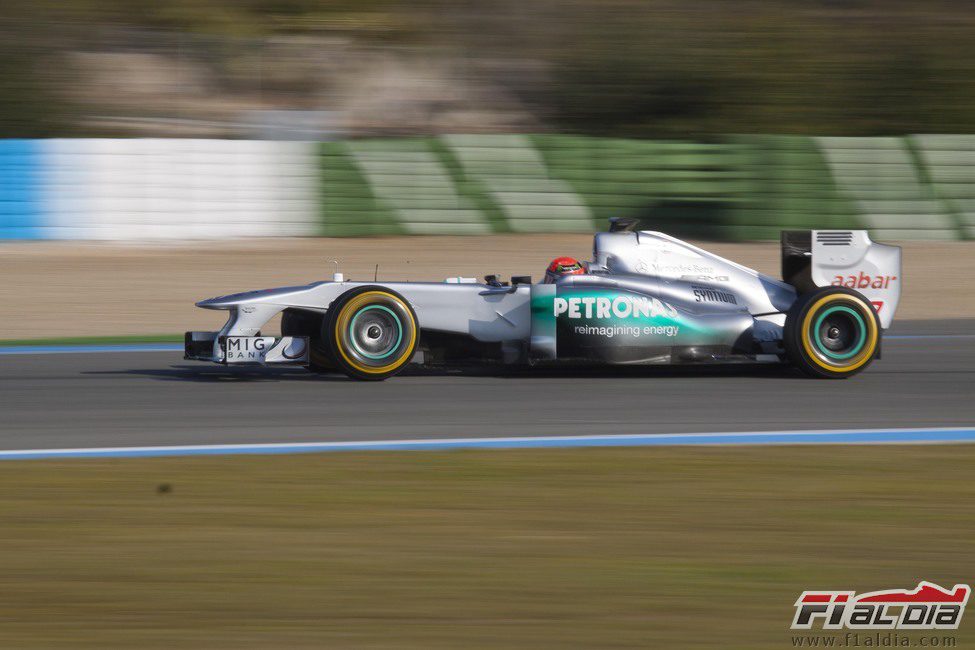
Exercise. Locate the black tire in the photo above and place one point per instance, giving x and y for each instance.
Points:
(297, 322)
(371, 333)
(832, 333)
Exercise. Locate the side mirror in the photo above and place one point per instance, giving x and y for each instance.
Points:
(622, 224)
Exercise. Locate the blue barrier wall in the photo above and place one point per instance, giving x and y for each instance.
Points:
(21, 214)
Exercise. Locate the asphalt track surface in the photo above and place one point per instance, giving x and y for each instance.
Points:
(925, 379)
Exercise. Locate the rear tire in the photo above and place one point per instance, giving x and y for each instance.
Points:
(832, 333)
(371, 332)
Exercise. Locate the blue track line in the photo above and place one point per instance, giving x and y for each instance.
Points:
(842, 436)
(915, 337)
(83, 349)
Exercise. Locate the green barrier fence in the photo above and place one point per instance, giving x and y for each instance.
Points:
(736, 188)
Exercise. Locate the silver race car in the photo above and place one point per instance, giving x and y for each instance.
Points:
(645, 298)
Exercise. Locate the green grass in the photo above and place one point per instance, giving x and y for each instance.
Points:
(96, 340)
(598, 548)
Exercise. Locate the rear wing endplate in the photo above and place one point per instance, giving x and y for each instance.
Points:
(846, 258)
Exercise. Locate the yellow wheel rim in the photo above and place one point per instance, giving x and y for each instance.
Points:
(346, 314)
(866, 352)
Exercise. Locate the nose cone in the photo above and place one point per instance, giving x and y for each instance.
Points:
(262, 295)
(231, 300)
(213, 303)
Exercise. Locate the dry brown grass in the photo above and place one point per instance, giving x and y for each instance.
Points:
(613, 548)
(65, 289)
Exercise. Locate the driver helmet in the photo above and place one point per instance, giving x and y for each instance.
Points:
(562, 266)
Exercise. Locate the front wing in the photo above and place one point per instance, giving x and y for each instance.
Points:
(278, 350)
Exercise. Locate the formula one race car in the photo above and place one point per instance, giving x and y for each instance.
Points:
(645, 298)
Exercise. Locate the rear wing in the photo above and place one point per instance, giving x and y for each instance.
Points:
(845, 258)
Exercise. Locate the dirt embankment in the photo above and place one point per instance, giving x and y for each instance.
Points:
(53, 289)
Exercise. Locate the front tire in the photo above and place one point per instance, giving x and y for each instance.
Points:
(372, 333)
(832, 333)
